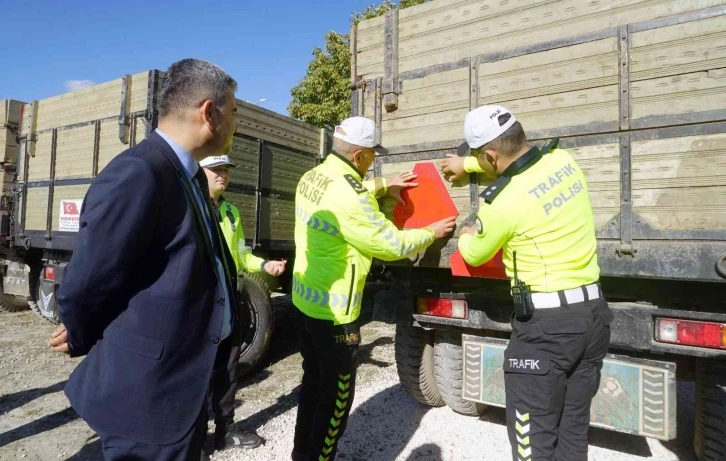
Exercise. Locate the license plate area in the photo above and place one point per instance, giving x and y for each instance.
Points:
(635, 396)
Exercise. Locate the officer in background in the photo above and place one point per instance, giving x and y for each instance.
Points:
(217, 171)
(538, 210)
(224, 387)
(338, 230)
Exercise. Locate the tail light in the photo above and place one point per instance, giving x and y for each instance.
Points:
(50, 273)
(691, 333)
(440, 307)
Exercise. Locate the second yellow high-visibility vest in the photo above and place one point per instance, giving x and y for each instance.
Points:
(339, 229)
(234, 235)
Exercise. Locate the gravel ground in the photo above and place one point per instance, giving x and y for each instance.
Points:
(36, 422)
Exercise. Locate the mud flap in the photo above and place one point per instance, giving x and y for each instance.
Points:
(16, 280)
(47, 304)
(635, 396)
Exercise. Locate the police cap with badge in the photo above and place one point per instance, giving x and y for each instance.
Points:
(213, 162)
(485, 124)
(217, 160)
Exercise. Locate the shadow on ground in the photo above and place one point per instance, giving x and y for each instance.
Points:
(397, 418)
(427, 452)
(16, 400)
(91, 451)
(289, 400)
(44, 424)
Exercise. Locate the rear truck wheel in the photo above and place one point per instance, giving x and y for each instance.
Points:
(709, 440)
(415, 364)
(12, 303)
(449, 367)
(256, 307)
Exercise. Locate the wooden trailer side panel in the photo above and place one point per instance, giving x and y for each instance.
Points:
(445, 31)
(634, 89)
(680, 183)
(71, 137)
(66, 140)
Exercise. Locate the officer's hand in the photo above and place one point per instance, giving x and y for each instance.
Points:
(452, 167)
(444, 227)
(59, 339)
(402, 181)
(275, 268)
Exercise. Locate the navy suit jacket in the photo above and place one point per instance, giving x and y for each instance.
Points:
(140, 297)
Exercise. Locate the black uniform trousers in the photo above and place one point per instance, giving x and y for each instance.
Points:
(330, 362)
(552, 372)
(190, 447)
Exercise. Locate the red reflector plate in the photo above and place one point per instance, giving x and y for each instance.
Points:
(426, 203)
(492, 269)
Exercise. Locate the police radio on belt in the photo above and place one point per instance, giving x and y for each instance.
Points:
(520, 293)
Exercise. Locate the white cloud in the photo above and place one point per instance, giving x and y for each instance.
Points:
(75, 85)
(263, 100)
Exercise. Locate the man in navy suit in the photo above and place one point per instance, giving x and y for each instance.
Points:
(148, 295)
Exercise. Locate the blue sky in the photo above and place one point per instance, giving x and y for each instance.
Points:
(264, 45)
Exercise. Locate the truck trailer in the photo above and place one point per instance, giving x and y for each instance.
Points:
(635, 90)
(53, 149)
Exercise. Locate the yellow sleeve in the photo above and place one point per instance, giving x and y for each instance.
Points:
(379, 186)
(471, 165)
(493, 229)
(249, 262)
(366, 228)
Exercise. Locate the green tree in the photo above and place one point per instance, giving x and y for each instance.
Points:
(322, 98)
(372, 11)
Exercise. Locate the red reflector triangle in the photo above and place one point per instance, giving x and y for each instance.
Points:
(426, 203)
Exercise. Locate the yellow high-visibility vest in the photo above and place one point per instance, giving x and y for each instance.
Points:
(544, 214)
(339, 229)
(234, 235)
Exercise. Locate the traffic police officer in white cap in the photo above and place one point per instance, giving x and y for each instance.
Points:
(222, 397)
(538, 211)
(339, 229)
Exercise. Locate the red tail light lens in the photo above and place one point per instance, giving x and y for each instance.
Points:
(440, 307)
(691, 333)
(50, 273)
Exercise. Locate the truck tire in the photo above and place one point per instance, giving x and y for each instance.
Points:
(709, 440)
(415, 364)
(12, 303)
(449, 366)
(257, 307)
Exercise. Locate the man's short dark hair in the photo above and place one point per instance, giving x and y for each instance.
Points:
(189, 81)
(509, 143)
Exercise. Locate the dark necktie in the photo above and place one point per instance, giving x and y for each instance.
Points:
(201, 180)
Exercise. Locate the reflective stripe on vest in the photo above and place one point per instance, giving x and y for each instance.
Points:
(390, 237)
(324, 298)
(316, 222)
